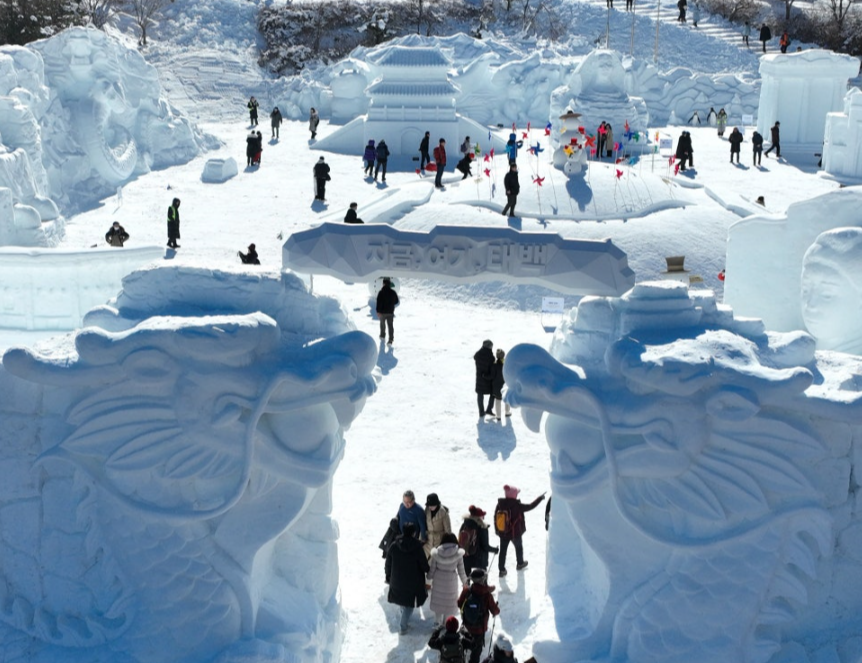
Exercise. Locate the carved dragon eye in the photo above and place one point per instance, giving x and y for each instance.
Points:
(150, 366)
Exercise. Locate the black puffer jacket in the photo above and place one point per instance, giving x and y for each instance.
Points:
(497, 380)
(406, 567)
(484, 361)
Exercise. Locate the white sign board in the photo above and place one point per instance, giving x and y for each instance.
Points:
(553, 304)
(665, 144)
(748, 119)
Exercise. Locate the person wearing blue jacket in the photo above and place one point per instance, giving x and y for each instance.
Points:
(410, 512)
(512, 147)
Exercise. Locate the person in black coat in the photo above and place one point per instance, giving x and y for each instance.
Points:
(382, 159)
(484, 359)
(250, 148)
(116, 235)
(251, 257)
(497, 384)
(735, 140)
(478, 559)
(464, 165)
(513, 188)
(765, 35)
(424, 153)
(775, 133)
(406, 567)
(321, 177)
(174, 223)
(684, 151)
(756, 148)
(351, 216)
(387, 300)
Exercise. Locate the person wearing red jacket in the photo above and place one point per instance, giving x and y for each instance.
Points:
(440, 161)
(511, 526)
(476, 604)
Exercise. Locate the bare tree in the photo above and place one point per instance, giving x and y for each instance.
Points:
(838, 10)
(144, 11)
(98, 12)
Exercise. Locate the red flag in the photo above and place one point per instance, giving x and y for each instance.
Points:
(591, 141)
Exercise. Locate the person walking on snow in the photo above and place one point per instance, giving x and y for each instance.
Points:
(466, 148)
(630, 5)
(387, 300)
(512, 146)
(682, 5)
(174, 223)
(258, 149)
(746, 33)
(424, 155)
(321, 177)
(451, 642)
(484, 360)
(735, 140)
(721, 122)
(275, 119)
(313, 121)
(382, 158)
(473, 537)
(756, 147)
(440, 162)
(510, 525)
(252, 111)
(447, 577)
(784, 41)
(503, 651)
(497, 382)
(765, 35)
(370, 156)
(116, 235)
(437, 523)
(513, 188)
(477, 603)
(410, 512)
(250, 151)
(695, 14)
(684, 151)
(775, 132)
(464, 167)
(406, 567)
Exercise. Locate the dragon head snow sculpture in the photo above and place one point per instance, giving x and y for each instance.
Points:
(187, 462)
(691, 503)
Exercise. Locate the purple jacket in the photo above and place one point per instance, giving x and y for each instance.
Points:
(370, 152)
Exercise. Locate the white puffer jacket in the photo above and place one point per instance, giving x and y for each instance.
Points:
(447, 567)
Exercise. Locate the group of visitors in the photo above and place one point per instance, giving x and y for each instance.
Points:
(490, 381)
(253, 148)
(375, 159)
(765, 35)
(685, 153)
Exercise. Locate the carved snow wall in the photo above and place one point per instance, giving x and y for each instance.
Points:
(842, 142)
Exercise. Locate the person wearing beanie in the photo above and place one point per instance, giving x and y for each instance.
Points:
(484, 359)
(497, 384)
(510, 526)
(477, 604)
(451, 642)
(503, 651)
(473, 538)
(447, 577)
(410, 512)
(406, 567)
(437, 522)
(321, 177)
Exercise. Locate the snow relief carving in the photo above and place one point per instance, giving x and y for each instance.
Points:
(699, 480)
(181, 476)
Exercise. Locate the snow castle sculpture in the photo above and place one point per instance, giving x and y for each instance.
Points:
(842, 142)
(799, 89)
(171, 490)
(703, 483)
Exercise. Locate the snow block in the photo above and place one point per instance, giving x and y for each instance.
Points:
(219, 170)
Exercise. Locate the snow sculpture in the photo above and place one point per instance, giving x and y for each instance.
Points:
(459, 254)
(597, 91)
(701, 479)
(348, 91)
(831, 286)
(219, 170)
(799, 89)
(764, 256)
(842, 142)
(180, 505)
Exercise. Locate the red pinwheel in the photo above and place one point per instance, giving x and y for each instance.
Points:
(538, 180)
(620, 159)
(487, 172)
(671, 159)
(487, 158)
(591, 141)
(492, 153)
(548, 129)
(676, 169)
(619, 173)
(525, 135)
(626, 127)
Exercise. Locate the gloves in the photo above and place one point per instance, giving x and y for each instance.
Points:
(494, 550)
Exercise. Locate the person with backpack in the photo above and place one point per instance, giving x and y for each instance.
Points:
(370, 156)
(512, 146)
(410, 513)
(765, 35)
(473, 538)
(382, 158)
(452, 643)
(321, 177)
(756, 147)
(497, 383)
(484, 360)
(447, 577)
(784, 41)
(437, 523)
(503, 651)
(509, 524)
(477, 603)
(275, 119)
(406, 567)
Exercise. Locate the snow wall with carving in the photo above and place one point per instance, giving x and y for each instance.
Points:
(168, 470)
(80, 114)
(704, 486)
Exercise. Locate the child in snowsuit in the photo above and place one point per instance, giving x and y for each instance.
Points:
(477, 603)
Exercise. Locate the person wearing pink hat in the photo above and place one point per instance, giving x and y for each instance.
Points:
(510, 525)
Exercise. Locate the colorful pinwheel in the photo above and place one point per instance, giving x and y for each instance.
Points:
(548, 129)
(538, 180)
(619, 173)
(487, 172)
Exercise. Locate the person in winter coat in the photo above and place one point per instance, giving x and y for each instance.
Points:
(424, 154)
(784, 41)
(249, 258)
(756, 147)
(174, 223)
(682, 5)
(711, 117)
(512, 146)
(313, 121)
(476, 540)
(382, 158)
(406, 567)
(497, 382)
(601, 138)
(440, 162)
(275, 119)
(447, 577)
(515, 525)
(252, 111)
(746, 33)
(775, 133)
(695, 14)
(684, 150)
(484, 359)
(250, 148)
(258, 148)
(437, 523)
(321, 177)
(609, 139)
(351, 216)
(370, 156)
(503, 651)
(464, 165)
(721, 122)
(735, 140)
(392, 532)
(116, 235)
(513, 188)
(466, 148)
(477, 604)
(765, 35)
(451, 642)
(410, 512)
(387, 300)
